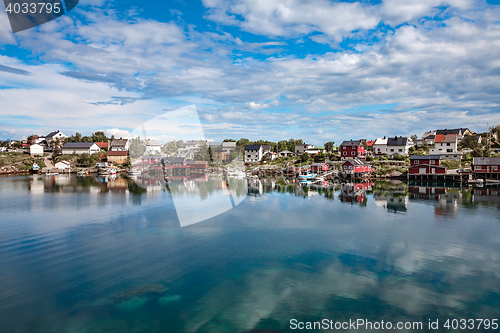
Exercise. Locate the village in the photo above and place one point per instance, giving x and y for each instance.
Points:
(458, 155)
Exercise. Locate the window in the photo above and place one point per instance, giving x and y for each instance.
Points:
(400, 150)
(392, 150)
(448, 144)
(449, 150)
(417, 162)
(345, 153)
(352, 153)
(433, 162)
(350, 167)
(345, 167)
(477, 167)
(494, 168)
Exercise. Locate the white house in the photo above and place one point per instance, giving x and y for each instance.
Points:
(253, 153)
(446, 145)
(228, 147)
(301, 149)
(120, 144)
(152, 146)
(57, 135)
(36, 150)
(286, 153)
(399, 146)
(80, 148)
(380, 146)
(63, 165)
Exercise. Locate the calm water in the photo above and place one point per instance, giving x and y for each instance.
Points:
(96, 255)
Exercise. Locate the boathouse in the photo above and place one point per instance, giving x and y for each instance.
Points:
(319, 167)
(356, 167)
(352, 149)
(486, 167)
(426, 165)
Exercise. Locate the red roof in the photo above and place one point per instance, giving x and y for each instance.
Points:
(370, 143)
(102, 144)
(440, 138)
(117, 153)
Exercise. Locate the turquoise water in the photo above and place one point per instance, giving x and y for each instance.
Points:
(97, 255)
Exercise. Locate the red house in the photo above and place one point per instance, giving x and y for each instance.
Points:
(103, 145)
(486, 167)
(319, 167)
(356, 167)
(426, 165)
(352, 149)
(151, 159)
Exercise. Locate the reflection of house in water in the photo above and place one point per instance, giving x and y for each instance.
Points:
(393, 201)
(487, 195)
(255, 187)
(119, 185)
(355, 192)
(446, 199)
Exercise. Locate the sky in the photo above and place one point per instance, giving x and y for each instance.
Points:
(258, 69)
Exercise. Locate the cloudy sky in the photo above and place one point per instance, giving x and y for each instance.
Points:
(317, 70)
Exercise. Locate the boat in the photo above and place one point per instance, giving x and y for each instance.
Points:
(35, 167)
(308, 175)
(51, 174)
(112, 171)
(102, 172)
(134, 172)
(82, 173)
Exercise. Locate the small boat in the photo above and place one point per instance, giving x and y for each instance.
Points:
(308, 175)
(51, 174)
(112, 171)
(134, 173)
(82, 173)
(102, 172)
(35, 167)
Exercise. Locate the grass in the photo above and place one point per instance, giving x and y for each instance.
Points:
(20, 160)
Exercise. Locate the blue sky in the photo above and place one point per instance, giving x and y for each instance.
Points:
(317, 70)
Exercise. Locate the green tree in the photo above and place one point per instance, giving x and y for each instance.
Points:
(414, 137)
(319, 157)
(329, 146)
(99, 137)
(136, 148)
(304, 158)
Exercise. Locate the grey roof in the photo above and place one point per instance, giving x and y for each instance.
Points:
(357, 161)
(78, 145)
(351, 143)
(229, 144)
(486, 161)
(252, 147)
(151, 143)
(286, 152)
(452, 131)
(401, 141)
(266, 147)
(431, 136)
(425, 157)
(119, 143)
(318, 164)
(217, 143)
(51, 134)
(173, 159)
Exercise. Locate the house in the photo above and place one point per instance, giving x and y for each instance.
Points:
(398, 146)
(152, 146)
(117, 157)
(103, 145)
(356, 166)
(228, 147)
(148, 159)
(319, 167)
(352, 149)
(316, 150)
(215, 144)
(269, 156)
(36, 150)
(62, 165)
(459, 132)
(80, 148)
(219, 154)
(174, 161)
(190, 144)
(486, 167)
(380, 146)
(301, 149)
(266, 149)
(253, 153)
(370, 143)
(286, 153)
(446, 145)
(53, 136)
(120, 144)
(426, 165)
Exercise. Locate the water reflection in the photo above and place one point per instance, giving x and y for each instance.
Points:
(289, 251)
